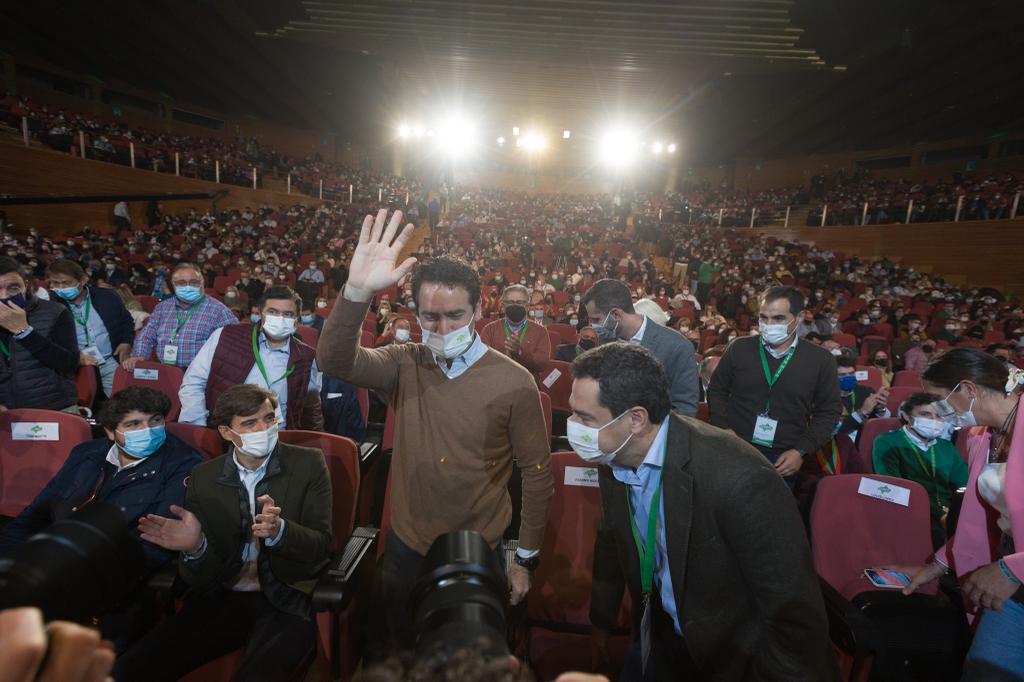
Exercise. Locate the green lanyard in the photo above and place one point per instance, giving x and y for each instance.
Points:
(768, 375)
(188, 316)
(5, 350)
(259, 360)
(84, 322)
(508, 331)
(920, 459)
(649, 549)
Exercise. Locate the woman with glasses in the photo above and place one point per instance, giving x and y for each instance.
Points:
(981, 391)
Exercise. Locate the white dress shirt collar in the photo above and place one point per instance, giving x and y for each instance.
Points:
(638, 337)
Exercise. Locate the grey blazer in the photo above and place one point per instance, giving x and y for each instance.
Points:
(675, 352)
(746, 592)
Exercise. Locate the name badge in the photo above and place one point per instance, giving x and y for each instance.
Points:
(146, 374)
(862, 375)
(764, 431)
(35, 431)
(585, 477)
(94, 352)
(887, 492)
(170, 355)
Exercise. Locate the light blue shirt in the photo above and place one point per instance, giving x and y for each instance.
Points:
(476, 350)
(94, 333)
(192, 393)
(642, 484)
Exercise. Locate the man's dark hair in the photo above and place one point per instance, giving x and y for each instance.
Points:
(915, 400)
(791, 294)
(610, 293)
(628, 376)
(8, 265)
(811, 337)
(243, 400)
(846, 360)
(131, 399)
(452, 273)
(280, 292)
(66, 267)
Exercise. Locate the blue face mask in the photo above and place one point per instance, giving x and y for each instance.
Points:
(68, 293)
(307, 319)
(144, 442)
(848, 382)
(188, 294)
(255, 318)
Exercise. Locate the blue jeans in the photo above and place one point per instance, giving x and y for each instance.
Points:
(997, 652)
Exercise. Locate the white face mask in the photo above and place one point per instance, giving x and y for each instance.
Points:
(402, 335)
(774, 334)
(948, 413)
(928, 428)
(450, 345)
(258, 443)
(583, 440)
(278, 327)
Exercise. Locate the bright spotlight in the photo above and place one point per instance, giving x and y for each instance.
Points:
(566, 134)
(618, 148)
(672, 148)
(404, 131)
(501, 141)
(657, 147)
(533, 142)
(455, 137)
(515, 131)
(417, 131)
(519, 142)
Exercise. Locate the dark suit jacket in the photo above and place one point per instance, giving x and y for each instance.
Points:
(675, 352)
(116, 318)
(746, 591)
(297, 480)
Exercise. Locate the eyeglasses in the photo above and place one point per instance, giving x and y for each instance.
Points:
(943, 408)
(188, 283)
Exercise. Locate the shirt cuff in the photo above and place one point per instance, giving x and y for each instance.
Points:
(277, 538)
(198, 554)
(527, 553)
(25, 333)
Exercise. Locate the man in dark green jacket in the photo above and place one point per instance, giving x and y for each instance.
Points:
(253, 538)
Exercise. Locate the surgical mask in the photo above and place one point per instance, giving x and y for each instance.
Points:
(774, 334)
(847, 382)
(836, 352)
(321, 304)
(188, 294)
(68, 293)
(255, 318)
(606, 333)
(258, 444)
(583, 440)
(307, 319)
(950, 327)
(450, 345)
(143, 442)
(949, 414)
(278, 327)
(928, 428)
(402, 335)
(515, 312)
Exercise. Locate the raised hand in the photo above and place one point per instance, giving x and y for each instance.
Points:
(373, 262)
(184, 535)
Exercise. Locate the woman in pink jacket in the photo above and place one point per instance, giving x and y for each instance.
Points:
(987, 552)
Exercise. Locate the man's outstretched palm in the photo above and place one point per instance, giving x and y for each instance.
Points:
(182, 535)
(373, 263)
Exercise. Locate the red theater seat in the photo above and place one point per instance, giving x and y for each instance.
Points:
(156, 375)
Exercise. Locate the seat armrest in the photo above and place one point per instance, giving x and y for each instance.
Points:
(337, 585)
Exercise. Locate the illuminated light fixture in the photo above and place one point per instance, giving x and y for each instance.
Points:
(515, 131)
(566, 134)
(519, 142)
(657, 147)
(672, 148)
(430, 133)
(618, 148)
(501, 141)
(533, 142)
(455, 137)
(417, 131)
(404, 131)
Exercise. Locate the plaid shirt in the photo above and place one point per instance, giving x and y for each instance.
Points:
(162, 324)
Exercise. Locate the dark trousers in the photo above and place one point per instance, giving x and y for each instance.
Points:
(772, 455)
(278, 645)
(391, 628)
(669, 659)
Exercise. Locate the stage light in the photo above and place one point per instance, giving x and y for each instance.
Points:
(566, 134)
(618, 147)
(455, 136)
(657, 147)
(417, 131)
(672, 148)
(515, 131)
(533, 142)
(519, 142)
(501, 141)
(404, 131)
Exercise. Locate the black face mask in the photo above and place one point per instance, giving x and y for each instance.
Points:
(928, 350)
(882, 362)
(587, 344)
(515, 313)
(17, 299)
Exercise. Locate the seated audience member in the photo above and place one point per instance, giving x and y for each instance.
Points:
(310, 319)
(919, 453)
(134, 308)
(266, 354)
(342, 415)
(180, 325)
(917, 357)
(38, 348)
(880, 360)
(397, 330)
(137, 467)
(588, 339)
(248, 588)
(104, 327)
(521, 339)
(859, 402)
(950, 332)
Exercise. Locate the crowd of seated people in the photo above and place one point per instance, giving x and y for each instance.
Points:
(238, 297)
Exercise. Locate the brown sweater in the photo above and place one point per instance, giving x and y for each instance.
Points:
(536, 346)
(455, 439)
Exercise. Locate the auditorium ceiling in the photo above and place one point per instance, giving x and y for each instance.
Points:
(758, 78)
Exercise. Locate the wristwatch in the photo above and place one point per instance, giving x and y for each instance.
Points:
(529, 563)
